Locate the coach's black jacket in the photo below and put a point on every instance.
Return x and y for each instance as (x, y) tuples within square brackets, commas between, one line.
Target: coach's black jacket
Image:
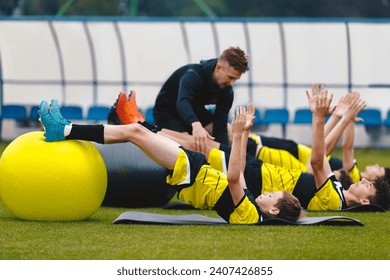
[(187, 91)]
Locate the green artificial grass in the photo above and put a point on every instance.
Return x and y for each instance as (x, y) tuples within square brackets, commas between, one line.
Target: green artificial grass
[(98, 239)]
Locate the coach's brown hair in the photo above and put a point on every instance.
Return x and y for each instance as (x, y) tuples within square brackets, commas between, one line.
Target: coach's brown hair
[(236, 59)]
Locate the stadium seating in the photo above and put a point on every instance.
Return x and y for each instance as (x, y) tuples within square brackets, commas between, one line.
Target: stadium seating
[(34, 114), (59, 48), (15, 112), (372, 122), (302, 116), (257, 120), (372, 117), (149, 115), (98, 113), (386, 122), (276, 116), (72, 112)]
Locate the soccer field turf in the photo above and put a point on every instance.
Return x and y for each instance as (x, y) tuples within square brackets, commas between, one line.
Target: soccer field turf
[(97, 238)]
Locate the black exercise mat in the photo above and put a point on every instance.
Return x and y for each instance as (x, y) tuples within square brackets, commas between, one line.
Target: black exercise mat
[(357, 208), (132, 217), (365, 208)]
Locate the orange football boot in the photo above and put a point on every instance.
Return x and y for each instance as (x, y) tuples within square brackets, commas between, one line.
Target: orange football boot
[(127, 110)]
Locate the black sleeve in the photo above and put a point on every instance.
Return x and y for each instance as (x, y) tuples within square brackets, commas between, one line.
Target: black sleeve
[(190, 84), (221, 118)]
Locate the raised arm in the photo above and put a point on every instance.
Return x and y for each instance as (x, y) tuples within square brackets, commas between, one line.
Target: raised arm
[(250, 116), (234, 169), (333, 128), (319, 103), (332, 136), (335, 116), (349, 135)]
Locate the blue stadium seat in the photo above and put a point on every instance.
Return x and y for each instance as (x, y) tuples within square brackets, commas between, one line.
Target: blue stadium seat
[(98, 113), (372, 117), (257, 120), (34, 114), (302, 116), (276, 116), (15, 112), (72, 112), (149, 115), (386, 122)]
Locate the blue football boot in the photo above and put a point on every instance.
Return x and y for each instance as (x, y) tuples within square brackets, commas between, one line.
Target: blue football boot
[(55, 111), (54, 130)]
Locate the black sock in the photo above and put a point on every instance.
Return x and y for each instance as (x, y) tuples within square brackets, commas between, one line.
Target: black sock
[(152, 127), (93, 133)]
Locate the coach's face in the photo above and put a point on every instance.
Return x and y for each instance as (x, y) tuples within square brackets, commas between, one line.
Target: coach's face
[(225, 75)]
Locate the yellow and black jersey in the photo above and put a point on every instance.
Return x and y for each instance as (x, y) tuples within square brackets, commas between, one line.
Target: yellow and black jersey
[(355, 173), (305, 189), (277, 143), (217, 159), (205, 187), (277, 178), (280, 158), (286, 153), (261, 177), (329, 196), (245, 212), (281, 152)]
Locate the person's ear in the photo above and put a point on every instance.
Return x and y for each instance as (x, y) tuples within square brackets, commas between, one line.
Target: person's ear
[(364, 201), (274, 211)]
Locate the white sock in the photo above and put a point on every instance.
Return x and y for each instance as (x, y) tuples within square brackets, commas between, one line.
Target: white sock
[(259, 145), (67, 130), (260, 142)]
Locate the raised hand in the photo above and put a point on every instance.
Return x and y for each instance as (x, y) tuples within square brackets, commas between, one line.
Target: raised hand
[(319, 101), (345, 102), (250, 116), (312, 98), (239, 120), (355, 107), (360, 106), (342, 105)]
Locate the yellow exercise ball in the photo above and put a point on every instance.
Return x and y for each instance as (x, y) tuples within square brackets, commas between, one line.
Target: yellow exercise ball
[(52, 181)]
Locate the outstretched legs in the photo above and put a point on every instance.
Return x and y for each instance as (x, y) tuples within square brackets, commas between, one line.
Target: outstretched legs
[(162, 150)]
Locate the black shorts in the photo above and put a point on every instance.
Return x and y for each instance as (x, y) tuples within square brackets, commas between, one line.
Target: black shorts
[(196, 160)]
